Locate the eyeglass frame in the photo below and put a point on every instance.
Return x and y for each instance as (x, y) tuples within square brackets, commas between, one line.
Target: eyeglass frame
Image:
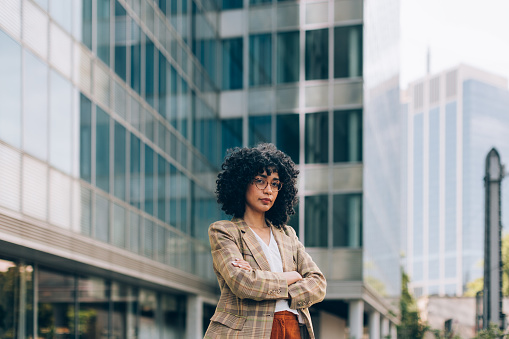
[(279, 186)]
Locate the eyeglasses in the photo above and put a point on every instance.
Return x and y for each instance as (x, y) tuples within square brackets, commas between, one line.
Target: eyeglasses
[(263, 183)]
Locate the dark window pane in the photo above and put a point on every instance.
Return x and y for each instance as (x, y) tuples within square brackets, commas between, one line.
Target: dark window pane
[(85, 138), (288, 135), (317, 54), (348, 51), (162, 87), (174, 96), (232, 64), (348, 136), (102, 218), (347, 220), (87, 23), (288, 57), (232, 4), (135, 57), (149, 180), (258, 2), (231, 134), (149, 71), (93, 299), (260, 59), (161, 188), (119, 158), (317, 138), (120, 41), (103, 30), (134, 166), (10, 90), (259, 129), (316, 221), (102, 150)]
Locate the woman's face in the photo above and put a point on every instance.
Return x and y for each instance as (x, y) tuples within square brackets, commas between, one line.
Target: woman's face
[(262, 192)]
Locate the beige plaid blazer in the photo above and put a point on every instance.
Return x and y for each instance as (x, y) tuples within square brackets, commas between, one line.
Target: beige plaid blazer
[(248, 298)]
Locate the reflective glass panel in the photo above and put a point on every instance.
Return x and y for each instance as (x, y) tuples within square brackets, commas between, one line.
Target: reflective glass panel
[(348, 51), (316, 221), (317, 138), (231, 134), (259, 129), (119, 161), (56, 303), (148, 238), (258, 2), (173, 310), (347, 220), (149, 180), (232, 4), (10, 90), (135, 56), (93, 299), (288, 135), (85, 138), (232, 64), (120, 310), (148, 314), (87, 23), (102, 218), (60, 142), (119, 226), (60, 11), (134, 232), (317, 54), (150, 55), (288, 57), (103, 30), (121, 43), (348, 136), (102, 150), (35, 120), (162, 86), (161, 188), (135, 171), (260, 59)]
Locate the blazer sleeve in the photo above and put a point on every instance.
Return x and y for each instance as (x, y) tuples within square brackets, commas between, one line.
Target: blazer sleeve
[(255, 284), (311, 289)]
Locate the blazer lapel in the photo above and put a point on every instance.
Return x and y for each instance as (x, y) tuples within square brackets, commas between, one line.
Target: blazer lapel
[(253, 245), (284, 243)]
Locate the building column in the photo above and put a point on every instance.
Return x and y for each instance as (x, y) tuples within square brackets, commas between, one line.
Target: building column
[(384, 330), (374, 325), (194, 317), (394, 331), (356, 318)]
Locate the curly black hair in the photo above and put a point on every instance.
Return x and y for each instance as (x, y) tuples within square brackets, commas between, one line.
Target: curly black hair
[(240, 167)]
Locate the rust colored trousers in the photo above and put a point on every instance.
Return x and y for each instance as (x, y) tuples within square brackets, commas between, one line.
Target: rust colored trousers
[(285, 326)]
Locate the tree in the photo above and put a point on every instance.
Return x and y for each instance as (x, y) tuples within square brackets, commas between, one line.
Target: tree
[(411, 325)]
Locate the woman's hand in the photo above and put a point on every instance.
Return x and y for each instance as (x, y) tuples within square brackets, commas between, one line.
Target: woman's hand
[(241, 264), (292, 277)]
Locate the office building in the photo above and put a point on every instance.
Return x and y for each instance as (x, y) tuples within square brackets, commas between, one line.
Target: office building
[(114, 118), (454, 118)]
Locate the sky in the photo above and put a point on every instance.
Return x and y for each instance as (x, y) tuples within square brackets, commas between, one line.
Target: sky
[(472, 32)]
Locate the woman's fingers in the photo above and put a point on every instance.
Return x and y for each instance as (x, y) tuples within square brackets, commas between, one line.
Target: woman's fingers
[(241, 264)]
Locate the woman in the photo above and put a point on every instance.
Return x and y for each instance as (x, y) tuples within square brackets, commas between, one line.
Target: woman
[(267, 279)]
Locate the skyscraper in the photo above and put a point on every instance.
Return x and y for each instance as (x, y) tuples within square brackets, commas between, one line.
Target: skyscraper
[(114, 118), (454, 118)]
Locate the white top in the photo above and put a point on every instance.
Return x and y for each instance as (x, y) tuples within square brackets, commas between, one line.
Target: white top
[(276, 265)]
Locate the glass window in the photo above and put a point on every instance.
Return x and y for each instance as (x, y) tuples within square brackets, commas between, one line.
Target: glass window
[(119, 226), (150, 55), (174, 96), (56, 303), (149, 180), (134, 232), (161, 188), (162, 87), (85, 138), (232, 4), (183, 110), (316, 221), (348, 51), (103, 30), (259, 129), (121, 43), (60, 11), (185, 183), (173, 201), (135, 57), (148, 314), (317, 138), (102, 218), (43, 4), (87, 23), (60, 142), (288, 135), (317, 54), (120, 300), (135, 172), (93, 299), (288, 57), (348, 136), (232, 64), (173, 310), (102, 150), (231, 134), (258, 2), (347, 220), (119, 161), (10, 90), (148, 238), (260, 59), (35, 120), (86, 211)]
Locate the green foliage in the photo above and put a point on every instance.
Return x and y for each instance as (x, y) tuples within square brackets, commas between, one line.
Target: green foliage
[(493, 332), (437, 334), (411, 325)]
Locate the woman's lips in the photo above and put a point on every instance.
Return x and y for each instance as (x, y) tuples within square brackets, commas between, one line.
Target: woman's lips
[(267, 201)]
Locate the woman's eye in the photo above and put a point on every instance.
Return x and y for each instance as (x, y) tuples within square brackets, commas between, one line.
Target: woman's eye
[(259, 181), (275, 184)]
